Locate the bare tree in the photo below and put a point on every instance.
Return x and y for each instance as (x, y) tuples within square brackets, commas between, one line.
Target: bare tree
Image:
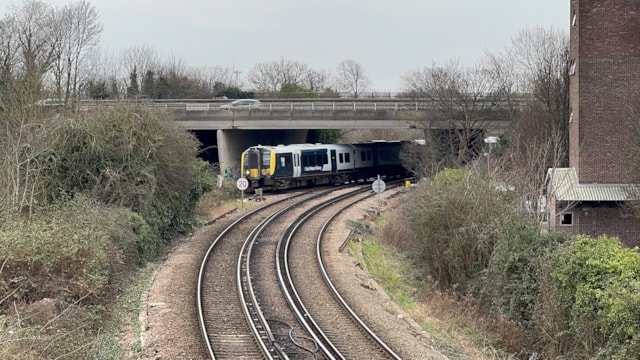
[(270, 76), (524, 165), (8, 44), (103, 67), (141, 60), (264, 77), (175, 65), (466, 101), (8, 56), (213, 79), (542, 57), (37, 41), (536, 65), (317, 80), (351, 78), (80, 31), (76, 25)]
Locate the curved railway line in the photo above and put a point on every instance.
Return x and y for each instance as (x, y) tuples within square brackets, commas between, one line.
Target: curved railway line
[(227, 333), (329, 319), (264, 262)]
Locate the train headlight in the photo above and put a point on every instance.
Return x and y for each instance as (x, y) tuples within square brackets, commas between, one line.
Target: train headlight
[(247, 172)]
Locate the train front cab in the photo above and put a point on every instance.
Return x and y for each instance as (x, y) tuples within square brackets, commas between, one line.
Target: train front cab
[(255, 165)]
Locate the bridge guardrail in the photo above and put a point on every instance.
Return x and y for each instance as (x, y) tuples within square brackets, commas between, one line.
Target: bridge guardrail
[(283, 105)]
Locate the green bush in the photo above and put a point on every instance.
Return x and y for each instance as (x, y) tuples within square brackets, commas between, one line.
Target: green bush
[(60, 270), (457, 218), (598, 282), (71, 251), (510, 282), (127, 157), (148, 244)]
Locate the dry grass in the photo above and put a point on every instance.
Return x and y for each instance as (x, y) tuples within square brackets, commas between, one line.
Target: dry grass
[(459, 325), (212, 205), (463, 323)]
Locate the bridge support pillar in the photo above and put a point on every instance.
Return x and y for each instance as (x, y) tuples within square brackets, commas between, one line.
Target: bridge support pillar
[(231, 144)]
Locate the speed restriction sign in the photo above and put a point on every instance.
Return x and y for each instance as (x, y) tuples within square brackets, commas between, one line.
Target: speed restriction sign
[(378, 185), (242, 184)]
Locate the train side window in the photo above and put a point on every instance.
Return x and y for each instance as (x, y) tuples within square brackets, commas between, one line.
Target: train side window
[(347, 157), (341, 158), (325, 158)]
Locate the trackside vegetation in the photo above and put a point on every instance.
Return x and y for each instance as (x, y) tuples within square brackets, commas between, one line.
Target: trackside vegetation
[(569, 297), (86, 200)]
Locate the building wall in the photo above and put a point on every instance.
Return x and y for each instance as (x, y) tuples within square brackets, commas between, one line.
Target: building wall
[(605, 45), (604, 219)]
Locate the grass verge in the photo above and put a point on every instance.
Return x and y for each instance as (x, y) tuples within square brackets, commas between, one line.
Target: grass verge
[(121, 337), (459, 332)]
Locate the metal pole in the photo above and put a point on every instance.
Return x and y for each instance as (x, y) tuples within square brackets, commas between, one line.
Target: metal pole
[(378, 192)]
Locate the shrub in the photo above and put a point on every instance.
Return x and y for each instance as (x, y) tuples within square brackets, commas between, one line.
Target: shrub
[(148, 244), (457, 219), (598, 285), (510, 282), (70, 251), (397, 234), (127, 157)]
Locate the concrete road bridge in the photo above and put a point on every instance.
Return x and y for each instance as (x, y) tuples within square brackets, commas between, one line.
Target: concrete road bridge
[(288, 121)]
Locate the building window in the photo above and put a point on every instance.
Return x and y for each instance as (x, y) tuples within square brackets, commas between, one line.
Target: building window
[(566, 219), (570, 116), (572, 67), (573, 18)]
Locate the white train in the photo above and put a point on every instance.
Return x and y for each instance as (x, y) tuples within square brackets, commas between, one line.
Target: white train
[(290, 166)]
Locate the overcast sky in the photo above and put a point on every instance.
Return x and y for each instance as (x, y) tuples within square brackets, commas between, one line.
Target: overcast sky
[(388, 38)]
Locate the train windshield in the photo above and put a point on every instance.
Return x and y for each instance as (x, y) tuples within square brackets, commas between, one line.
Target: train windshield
[(266, 155), (250, 160)]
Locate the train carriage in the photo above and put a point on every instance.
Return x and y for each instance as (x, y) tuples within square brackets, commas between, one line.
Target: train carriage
[(289, 166), (387, 157)]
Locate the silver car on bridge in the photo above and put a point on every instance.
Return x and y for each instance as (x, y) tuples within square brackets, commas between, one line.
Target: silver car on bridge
[(248, 104)]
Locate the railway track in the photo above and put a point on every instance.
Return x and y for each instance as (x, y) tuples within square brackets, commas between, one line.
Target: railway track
[(327, 316), (264, 294), (228, 316), (226, 331)]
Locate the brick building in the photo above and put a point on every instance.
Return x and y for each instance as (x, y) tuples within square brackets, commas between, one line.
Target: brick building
[(592, 195)]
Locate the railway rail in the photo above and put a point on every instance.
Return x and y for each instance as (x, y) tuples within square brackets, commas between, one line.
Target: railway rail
[(327, 316), (226, 332), (279, 303)]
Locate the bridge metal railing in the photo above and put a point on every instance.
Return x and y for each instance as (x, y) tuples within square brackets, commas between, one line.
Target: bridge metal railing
[(290, 104)]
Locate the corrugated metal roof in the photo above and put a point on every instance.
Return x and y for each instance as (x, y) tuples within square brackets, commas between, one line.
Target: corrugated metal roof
[(565, 186)]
